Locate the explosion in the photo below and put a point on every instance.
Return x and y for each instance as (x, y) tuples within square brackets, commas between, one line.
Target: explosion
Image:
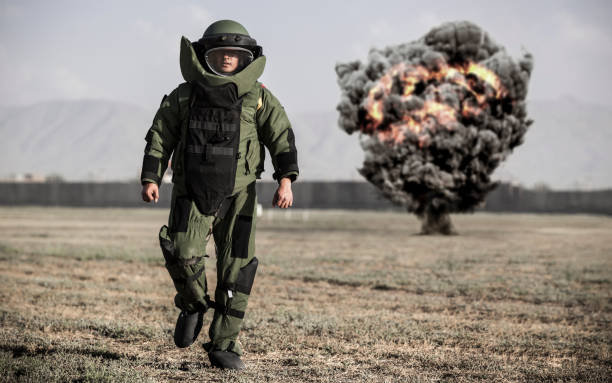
[(436, 117)]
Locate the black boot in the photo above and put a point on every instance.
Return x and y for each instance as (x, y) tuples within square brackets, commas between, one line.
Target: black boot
[(188, 326), (226, 359)]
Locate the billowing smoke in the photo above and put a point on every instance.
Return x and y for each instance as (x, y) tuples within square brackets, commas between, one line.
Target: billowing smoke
[(436, 116)]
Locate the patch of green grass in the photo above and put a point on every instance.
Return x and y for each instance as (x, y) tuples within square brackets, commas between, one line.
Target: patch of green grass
[(7, 252), (62, 366), (113, 330)]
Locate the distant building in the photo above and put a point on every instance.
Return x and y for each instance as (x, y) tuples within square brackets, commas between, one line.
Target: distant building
[(33, 178), (27, 177)]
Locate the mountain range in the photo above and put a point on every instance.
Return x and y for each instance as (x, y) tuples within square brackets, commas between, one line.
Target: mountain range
[(567, 147)]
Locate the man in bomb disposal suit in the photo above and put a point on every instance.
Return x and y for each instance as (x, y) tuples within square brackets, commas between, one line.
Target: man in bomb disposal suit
[(215, 126)]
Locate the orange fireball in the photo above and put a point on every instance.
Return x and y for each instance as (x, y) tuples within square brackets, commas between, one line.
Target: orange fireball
[(476, 80)]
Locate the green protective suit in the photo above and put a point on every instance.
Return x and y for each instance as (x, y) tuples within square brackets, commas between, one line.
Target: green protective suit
[(215, 128)]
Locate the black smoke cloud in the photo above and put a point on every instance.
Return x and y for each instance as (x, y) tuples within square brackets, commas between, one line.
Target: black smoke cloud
[(451, 172)]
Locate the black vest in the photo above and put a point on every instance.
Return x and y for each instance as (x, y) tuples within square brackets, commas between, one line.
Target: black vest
[(211, 145)]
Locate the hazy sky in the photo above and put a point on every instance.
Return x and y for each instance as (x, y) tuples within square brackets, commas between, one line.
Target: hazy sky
[(128, 50)]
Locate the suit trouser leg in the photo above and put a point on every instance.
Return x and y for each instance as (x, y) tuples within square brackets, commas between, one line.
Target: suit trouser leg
[(236, 266), (187, 236)]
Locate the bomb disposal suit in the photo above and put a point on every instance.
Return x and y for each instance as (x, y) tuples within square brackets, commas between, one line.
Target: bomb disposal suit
[(215, 125)]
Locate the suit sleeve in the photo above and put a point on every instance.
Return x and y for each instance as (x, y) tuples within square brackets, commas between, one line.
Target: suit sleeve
[(276, 134), (161, 139)]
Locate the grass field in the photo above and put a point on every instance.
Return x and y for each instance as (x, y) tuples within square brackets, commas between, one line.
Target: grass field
[(339, 297)]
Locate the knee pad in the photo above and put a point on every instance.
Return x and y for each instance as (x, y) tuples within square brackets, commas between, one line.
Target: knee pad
[(188, 275), (241, 236), (243, 284), (246, 277)]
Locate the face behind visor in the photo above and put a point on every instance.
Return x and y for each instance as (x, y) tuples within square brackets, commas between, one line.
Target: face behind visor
[(226, 48), (228, 60)]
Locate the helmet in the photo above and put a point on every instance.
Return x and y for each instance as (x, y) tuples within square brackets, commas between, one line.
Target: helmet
[(226, 48)]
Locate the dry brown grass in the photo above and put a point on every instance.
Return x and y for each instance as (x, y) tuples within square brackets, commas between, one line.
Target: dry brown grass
[(339, 297)]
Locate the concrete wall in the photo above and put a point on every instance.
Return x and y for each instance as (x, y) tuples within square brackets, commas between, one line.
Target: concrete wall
[(508, 198), (77, 194), (311, 195)]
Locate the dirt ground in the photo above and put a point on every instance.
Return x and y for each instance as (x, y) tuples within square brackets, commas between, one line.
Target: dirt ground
[(339, 297)]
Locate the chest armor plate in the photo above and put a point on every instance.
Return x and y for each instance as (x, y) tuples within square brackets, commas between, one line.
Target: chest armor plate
[(211, 145)]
